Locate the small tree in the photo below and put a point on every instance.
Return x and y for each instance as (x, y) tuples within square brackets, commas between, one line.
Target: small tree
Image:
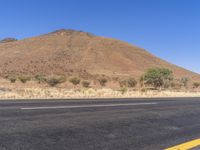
[(85, 83), (75, 80), (157, 77), (102, 81)]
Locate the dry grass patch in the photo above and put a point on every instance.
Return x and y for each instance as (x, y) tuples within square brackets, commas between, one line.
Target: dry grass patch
[(61, 93)]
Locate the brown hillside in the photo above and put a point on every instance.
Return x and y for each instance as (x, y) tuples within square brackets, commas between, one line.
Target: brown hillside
[(74, 52)]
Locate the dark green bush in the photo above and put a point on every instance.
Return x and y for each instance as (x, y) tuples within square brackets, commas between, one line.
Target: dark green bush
[(13, 79), (102, 81), (53, 81), (24, 79), (75, 80)]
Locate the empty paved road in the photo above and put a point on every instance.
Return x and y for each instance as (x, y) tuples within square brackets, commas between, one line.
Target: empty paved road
[(124, 124)]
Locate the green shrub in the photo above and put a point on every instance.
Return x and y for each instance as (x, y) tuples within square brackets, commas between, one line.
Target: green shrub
[(40, 78), (157, 77), (131, 82), (75, 80), (196, 84), (24, 79), (123, 90), (102, 81), (12, 79), (85, 83), (61, 79), (53, 81)]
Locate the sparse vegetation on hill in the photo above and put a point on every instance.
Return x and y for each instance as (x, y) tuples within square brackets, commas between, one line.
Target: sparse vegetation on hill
[(153, 79), (77, 53), (69, 58)]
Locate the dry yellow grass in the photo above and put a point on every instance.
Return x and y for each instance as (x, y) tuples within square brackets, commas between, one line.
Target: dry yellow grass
[(51, 93)]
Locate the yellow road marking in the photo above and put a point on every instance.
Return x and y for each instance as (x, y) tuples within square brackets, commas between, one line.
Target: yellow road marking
[(186, 146)]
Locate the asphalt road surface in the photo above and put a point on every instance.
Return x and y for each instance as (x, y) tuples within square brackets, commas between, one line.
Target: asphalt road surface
[(123, 124)]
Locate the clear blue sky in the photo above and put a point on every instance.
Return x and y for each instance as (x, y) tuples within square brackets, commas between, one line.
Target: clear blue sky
[(169, 29)]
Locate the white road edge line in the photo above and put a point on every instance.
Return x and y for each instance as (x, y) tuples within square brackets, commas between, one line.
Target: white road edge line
[(87, 106)]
